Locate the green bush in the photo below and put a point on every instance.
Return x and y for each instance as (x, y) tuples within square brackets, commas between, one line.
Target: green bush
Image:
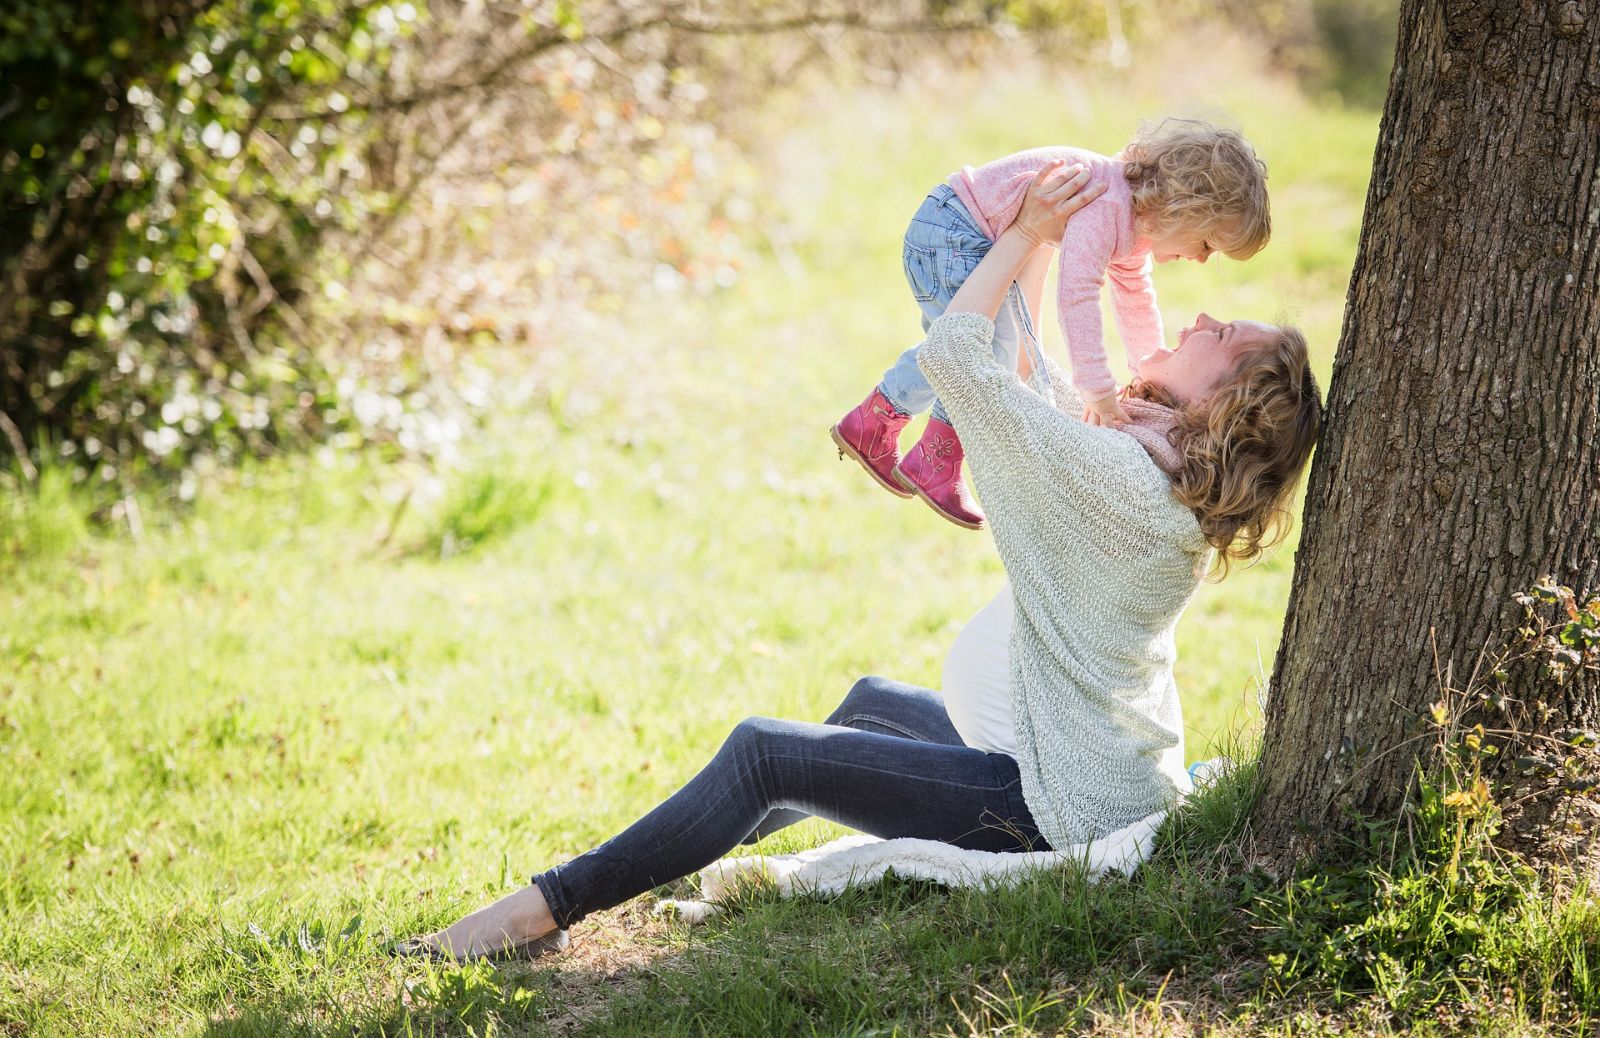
[(169, 171)]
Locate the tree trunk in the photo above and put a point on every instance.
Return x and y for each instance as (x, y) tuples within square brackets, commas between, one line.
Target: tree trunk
[(1461, 457)]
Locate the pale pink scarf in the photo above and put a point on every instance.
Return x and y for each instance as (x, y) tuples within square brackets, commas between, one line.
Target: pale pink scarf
[(1150, 426)]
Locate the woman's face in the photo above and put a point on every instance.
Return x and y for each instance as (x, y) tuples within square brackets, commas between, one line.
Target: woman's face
[(1206, 353)]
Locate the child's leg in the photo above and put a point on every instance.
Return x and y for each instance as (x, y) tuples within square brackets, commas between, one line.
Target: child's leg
[(942, 246), (932, 469), (903, 384)]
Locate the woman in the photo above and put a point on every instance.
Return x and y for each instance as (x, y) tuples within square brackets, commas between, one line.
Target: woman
[(1072, 732)]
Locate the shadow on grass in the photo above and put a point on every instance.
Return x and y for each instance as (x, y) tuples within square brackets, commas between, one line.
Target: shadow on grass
[(363, 997)]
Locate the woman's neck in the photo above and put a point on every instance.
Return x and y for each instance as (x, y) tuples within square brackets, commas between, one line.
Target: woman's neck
[(1139, 389)]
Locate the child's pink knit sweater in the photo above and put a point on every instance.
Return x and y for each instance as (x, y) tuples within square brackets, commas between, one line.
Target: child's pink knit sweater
[(1099, 242)]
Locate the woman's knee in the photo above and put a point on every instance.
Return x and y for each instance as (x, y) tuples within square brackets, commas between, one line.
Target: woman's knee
[(754, 749), (864, 696), (879, 699), (752, 736)]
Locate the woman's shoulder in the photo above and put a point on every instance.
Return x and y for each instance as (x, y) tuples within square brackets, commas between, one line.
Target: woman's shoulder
[(1133, 487)]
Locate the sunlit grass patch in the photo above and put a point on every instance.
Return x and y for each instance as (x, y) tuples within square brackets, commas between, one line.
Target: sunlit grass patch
[(485, 503), (43, 518)]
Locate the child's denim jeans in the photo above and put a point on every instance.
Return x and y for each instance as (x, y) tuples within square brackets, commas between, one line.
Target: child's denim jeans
[(943, 246)]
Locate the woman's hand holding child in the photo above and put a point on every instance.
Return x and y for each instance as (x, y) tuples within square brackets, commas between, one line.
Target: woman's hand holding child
[(1058, 190)]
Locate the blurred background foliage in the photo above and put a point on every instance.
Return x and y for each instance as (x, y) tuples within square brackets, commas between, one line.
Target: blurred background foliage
[(231, 227)]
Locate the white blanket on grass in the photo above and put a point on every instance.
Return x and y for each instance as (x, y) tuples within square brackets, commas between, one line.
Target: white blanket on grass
[(864, 860)]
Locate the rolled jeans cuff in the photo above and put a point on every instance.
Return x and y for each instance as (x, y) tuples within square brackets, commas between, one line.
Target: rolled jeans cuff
[(555, 897)]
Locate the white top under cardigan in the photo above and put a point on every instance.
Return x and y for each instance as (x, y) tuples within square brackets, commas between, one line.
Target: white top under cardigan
[(1102, 560), (977, 687)]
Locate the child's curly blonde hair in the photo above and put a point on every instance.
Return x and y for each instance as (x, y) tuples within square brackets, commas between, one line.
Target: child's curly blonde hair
[(1245, 445), (1188, 175)]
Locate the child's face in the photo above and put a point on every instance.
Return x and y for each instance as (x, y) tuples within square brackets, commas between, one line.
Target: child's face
[(1181, 245), (1206, 353)]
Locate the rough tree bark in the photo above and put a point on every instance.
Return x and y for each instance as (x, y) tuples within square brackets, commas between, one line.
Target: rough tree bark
[(1461, 457)]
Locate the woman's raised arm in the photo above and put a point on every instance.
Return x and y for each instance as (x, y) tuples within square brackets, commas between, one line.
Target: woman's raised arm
[(1056, 193)]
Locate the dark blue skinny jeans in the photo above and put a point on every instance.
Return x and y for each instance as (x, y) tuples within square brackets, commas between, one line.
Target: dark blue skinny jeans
[(887, 762)]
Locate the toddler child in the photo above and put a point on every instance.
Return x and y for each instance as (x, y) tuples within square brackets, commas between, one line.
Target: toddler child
[(1182, 189)]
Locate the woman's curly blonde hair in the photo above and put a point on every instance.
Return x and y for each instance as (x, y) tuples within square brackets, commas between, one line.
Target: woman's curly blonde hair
[(1245, 445), (1188, 175)]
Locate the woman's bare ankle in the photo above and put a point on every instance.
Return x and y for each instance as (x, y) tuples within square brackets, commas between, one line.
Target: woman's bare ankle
[(512, 920), (533, 910)]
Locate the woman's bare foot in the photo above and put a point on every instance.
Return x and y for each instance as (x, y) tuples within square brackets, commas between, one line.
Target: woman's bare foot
[(510, 924)]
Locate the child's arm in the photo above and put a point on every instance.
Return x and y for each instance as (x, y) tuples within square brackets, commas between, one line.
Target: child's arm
[(1133, 301), (1085, 255)]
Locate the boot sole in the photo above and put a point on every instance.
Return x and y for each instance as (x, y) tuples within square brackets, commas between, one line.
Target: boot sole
[(920, 495), (848, 451)]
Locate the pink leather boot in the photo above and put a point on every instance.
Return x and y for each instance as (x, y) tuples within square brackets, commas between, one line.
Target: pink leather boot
[(871, 435), (933, 471)]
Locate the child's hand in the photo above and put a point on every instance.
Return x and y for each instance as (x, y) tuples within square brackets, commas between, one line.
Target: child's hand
[(1105, 412), (1058, 190)]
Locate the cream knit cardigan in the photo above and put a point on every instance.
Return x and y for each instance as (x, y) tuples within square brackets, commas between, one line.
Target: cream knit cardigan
[(1102, 560)]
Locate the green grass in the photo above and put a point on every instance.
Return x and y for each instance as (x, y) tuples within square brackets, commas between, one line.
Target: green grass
[(329, 704)]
